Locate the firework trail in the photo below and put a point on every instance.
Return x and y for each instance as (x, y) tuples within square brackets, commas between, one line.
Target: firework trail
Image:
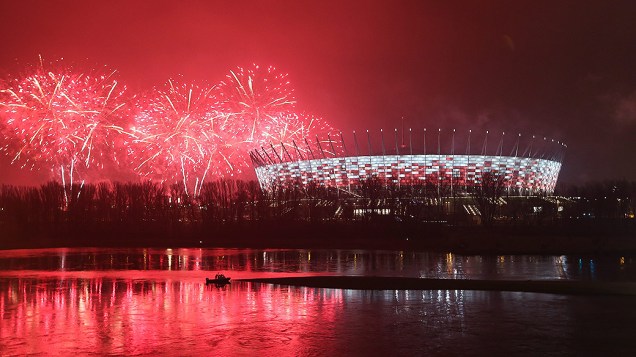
[(252, 101), (81, 125), (229, 157), (173, 135), (294, 135), (61, 120), (253, 98)]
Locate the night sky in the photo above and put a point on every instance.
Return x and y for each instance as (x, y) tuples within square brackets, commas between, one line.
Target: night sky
[(563, 69)]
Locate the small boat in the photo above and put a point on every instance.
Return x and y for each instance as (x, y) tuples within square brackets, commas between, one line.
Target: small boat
[(219, 279)]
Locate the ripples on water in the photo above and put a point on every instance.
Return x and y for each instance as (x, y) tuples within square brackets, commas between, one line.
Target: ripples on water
[(250, 263), (145, 301)]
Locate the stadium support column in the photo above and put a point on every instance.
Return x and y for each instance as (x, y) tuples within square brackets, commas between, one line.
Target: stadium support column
[(346, 155), (467, 162), (275, 152), (529, 189), (383, 157), (382, 142), (500, 159), (425, 167), (439, 167), (397, 149), (452, 163), (484, 151), (323, 157), (285, 152), (484, 148), (397, 155), (411, 160), (517, 164), (309, 148), (333, 151), (370, 154), (267, 156), (320, 147), (355, 141), (300, 155), (280, 160)]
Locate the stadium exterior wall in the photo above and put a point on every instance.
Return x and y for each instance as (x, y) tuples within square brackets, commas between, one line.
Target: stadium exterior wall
[(524, 175)]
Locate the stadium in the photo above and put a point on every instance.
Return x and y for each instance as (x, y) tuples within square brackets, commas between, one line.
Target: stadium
[(454, 164)]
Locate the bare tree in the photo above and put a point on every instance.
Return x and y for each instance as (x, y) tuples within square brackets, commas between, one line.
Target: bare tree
[(487, 194)]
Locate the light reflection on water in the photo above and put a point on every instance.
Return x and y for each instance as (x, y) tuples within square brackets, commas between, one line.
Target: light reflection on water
[(151, 301), (131, 317), (245, 263)]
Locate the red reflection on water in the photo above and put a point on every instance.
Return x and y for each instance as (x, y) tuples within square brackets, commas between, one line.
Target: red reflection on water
[(102, 315), (248, 263)]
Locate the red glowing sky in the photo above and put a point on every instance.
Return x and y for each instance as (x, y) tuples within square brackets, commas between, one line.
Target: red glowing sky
[(565, 70)]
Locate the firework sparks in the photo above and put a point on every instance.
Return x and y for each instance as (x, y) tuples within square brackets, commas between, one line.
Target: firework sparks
[(61, 120), (79, 126), (289, 133), (254, 98), (173, 135)]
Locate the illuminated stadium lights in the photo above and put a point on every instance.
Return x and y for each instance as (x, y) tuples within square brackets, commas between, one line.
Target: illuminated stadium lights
[(532, 166)]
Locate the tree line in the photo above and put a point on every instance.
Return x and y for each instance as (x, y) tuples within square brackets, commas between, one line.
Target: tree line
[(227, 201), (239, 213)]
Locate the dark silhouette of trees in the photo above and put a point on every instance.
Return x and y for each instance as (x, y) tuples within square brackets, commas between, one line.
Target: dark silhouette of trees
[(610, 199), (487, 194), (120, 210)]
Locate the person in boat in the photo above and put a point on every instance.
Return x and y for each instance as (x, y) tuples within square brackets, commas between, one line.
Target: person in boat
[(218, 279)]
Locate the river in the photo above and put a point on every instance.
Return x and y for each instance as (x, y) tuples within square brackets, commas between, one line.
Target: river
[(155, 301)]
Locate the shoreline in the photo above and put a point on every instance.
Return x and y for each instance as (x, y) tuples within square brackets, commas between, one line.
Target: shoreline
[(580, 246), (556, 247), (462, 240), (561, 245), (562, 287)]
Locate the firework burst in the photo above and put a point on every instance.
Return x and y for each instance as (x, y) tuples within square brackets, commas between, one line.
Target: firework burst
[(173, 135), (61, 120), (229, 157), (293, 135), (253, 98), (80, 125)]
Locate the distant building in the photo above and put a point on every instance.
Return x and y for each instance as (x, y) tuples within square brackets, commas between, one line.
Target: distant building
[(524, 166)]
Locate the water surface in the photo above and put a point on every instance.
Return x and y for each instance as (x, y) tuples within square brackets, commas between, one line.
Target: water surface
[(148, 302)]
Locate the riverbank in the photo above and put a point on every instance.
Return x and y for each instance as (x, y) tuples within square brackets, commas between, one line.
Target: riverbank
[(581, 239), (562, 287)]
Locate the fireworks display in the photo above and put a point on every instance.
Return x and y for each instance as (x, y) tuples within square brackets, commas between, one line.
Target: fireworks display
[(255, 98), (83, 126), (295, 134), (61, 120), (173, 135)]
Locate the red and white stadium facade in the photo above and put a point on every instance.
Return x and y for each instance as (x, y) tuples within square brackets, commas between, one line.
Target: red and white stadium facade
[(532, 167)]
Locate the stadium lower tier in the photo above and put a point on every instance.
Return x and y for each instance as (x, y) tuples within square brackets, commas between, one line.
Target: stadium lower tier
[(524, 175)]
